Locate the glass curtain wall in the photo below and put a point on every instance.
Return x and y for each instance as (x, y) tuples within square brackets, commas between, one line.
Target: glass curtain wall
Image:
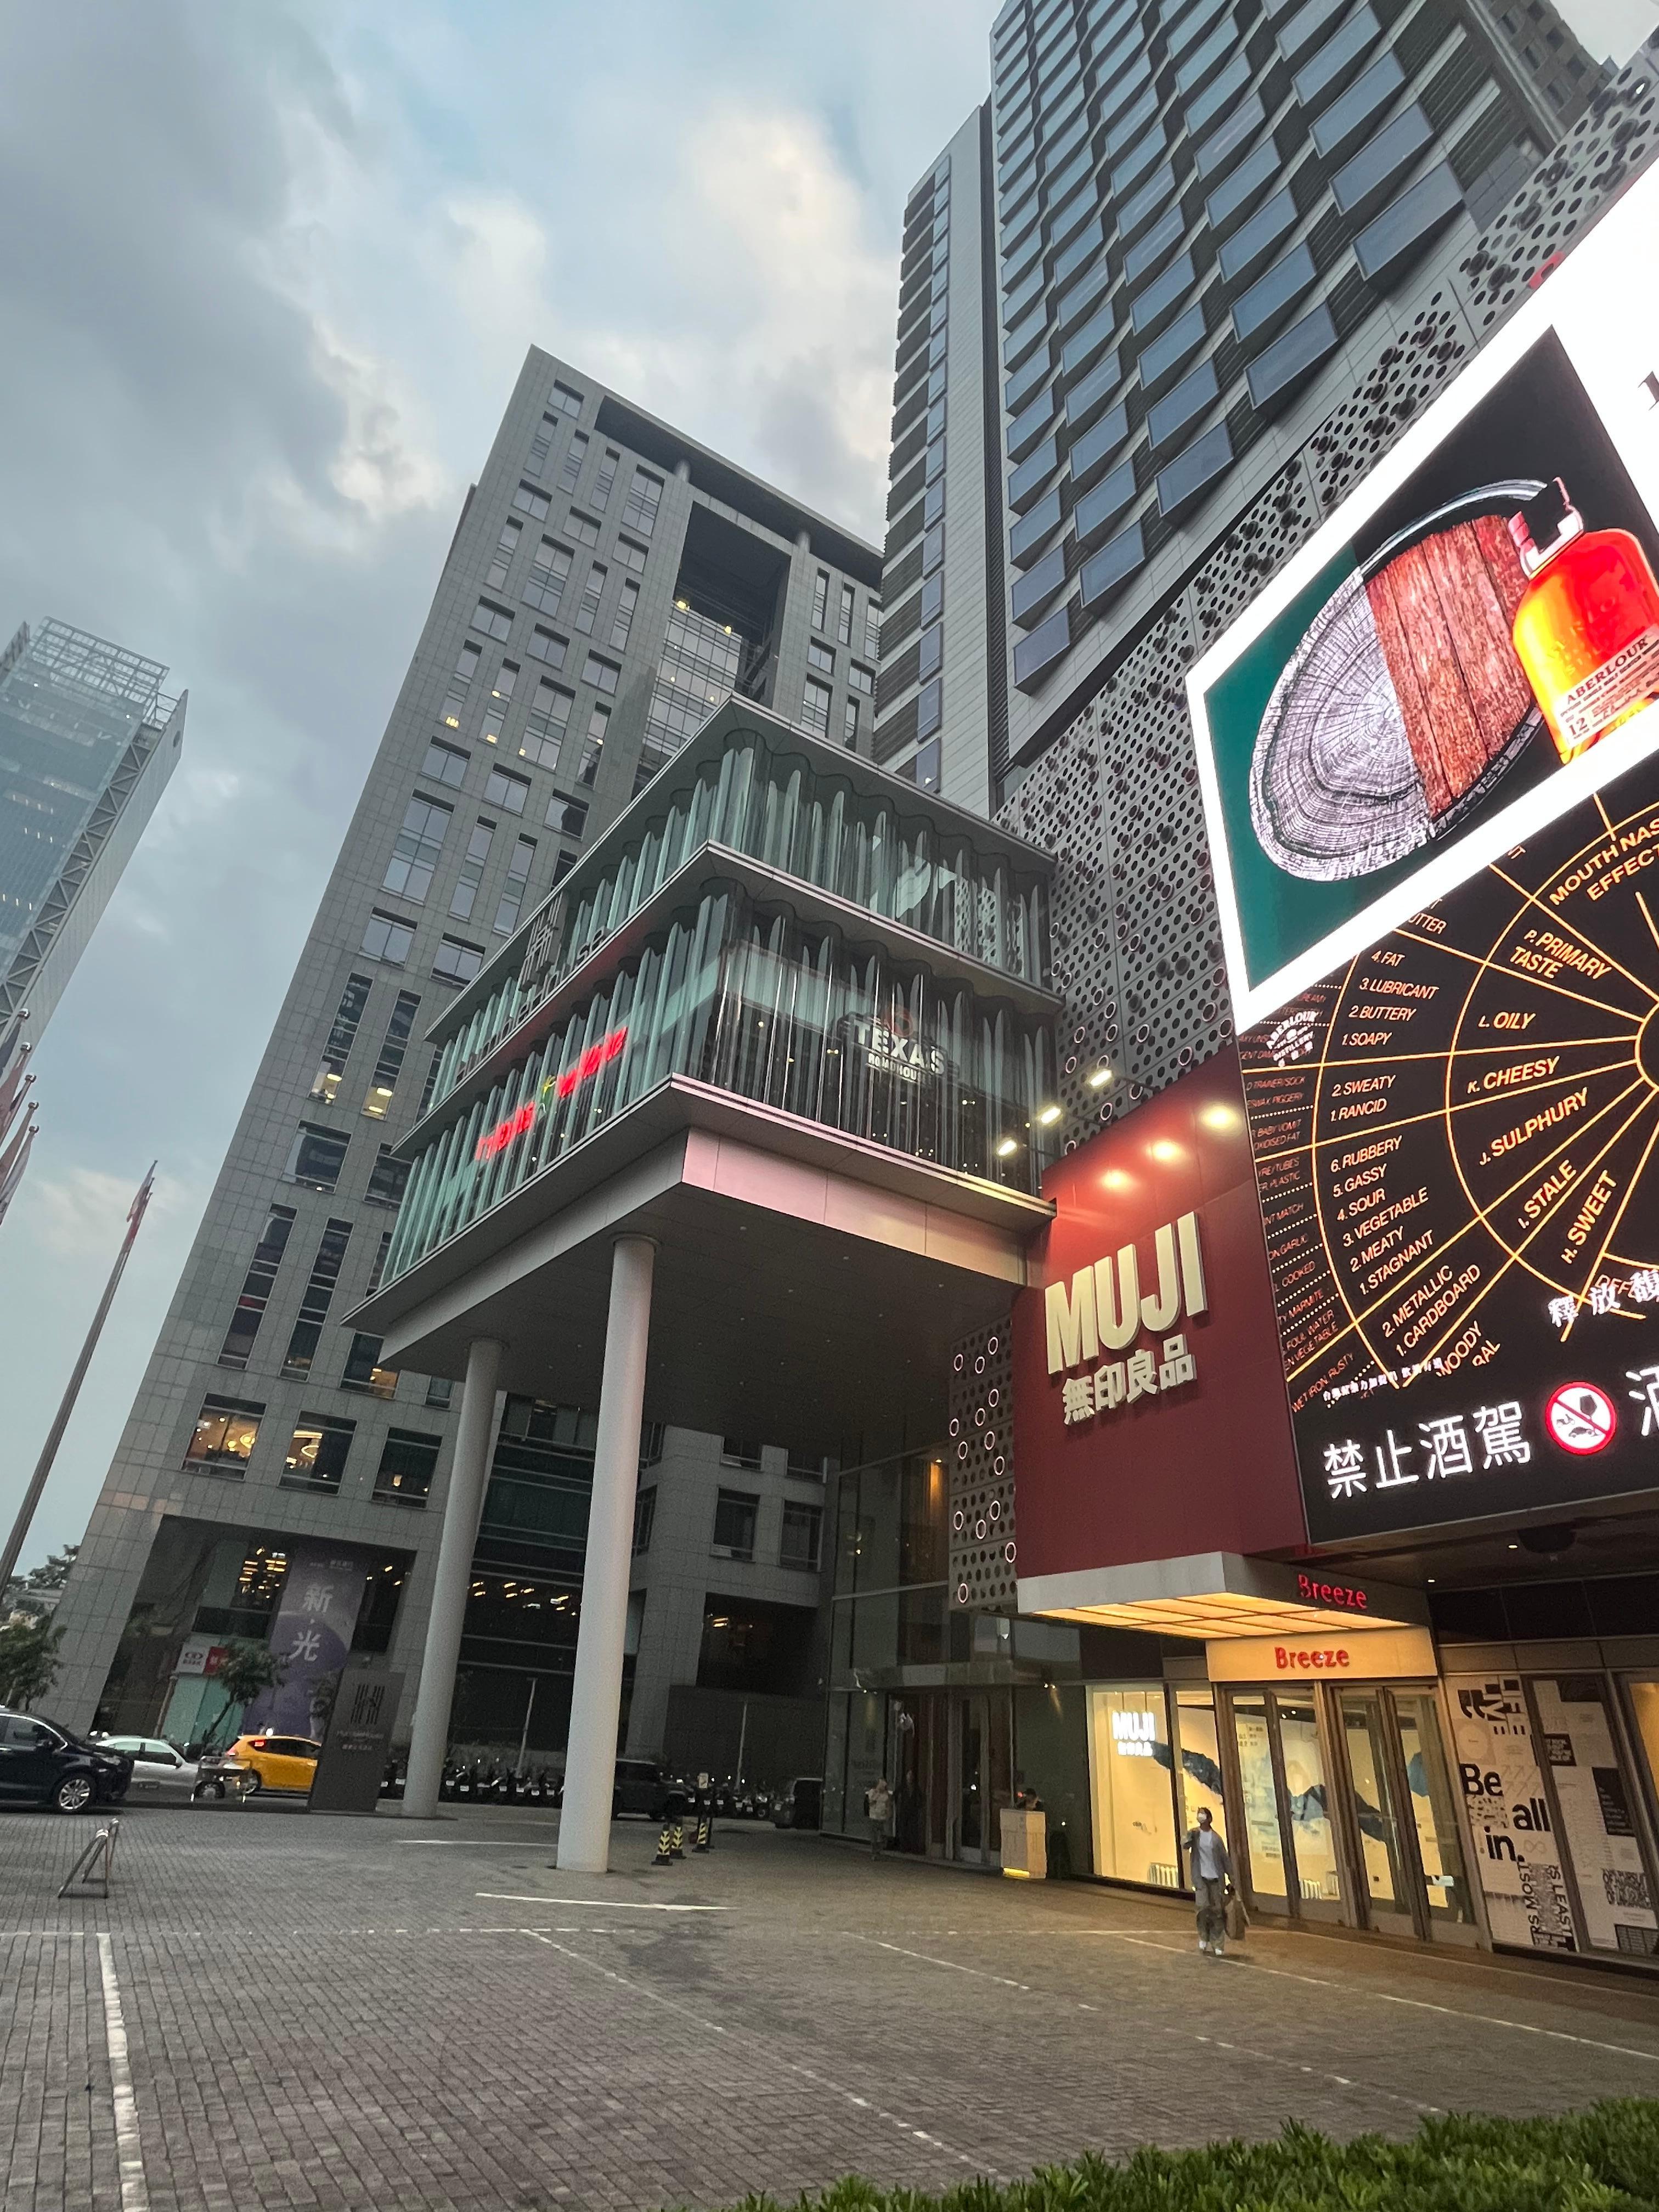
[(748, 998), (777, 808)]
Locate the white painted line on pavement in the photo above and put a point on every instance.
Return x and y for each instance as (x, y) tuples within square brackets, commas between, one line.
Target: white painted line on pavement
[(1349, 1990), (129, 2151), (589, 1904)]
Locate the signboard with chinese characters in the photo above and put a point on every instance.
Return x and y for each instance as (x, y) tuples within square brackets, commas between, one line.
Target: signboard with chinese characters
[(316, 1619), (1516, 1852), (1150, 1415), (1431, 759), (358, 1743)]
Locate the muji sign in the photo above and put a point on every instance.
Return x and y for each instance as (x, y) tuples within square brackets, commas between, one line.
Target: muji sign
[(1103, 1309)]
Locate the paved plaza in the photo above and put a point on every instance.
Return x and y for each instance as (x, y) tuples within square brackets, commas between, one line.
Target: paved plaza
[(274, 2009)]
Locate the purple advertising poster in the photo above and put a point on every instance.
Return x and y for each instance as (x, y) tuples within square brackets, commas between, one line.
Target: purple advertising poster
[(311, 1635)]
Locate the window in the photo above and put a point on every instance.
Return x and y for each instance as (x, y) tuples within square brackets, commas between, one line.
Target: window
[(389, 1066), (603, 675), (630, 555), (385, 1185), (930, 706), (388, 938), (544, 731), (926, 765), (363, 1370), (583, 528), (644, 495), (317, 1452), (224, 1434), (820, 599), (256, 1288), (319, 1294), (438, 1389), (548, 572), (591, 594), (871, 629), (494, 621), (546, 645), (623, 622), (501, 695), (606, 478), (416, 850), (542, 444), (561, 868), (645, 1513), (740, 1451), (815, 707), (844, 627), (849, 723), (574, 456), (315, 1157), (862, 679), (445, 763), (593, 747), (530, 501), (511, 903), (379, 1269), (568, 815), (408, 1462), (735, 1515), (930, 652), (506, 790), (820, 657), (802, 1530), (431, 1083), (338, 1049), (506, 546), (473, 868), (466, 667), (457, 962), (565, 400)]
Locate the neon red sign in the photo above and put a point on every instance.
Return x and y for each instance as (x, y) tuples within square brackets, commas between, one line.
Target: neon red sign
[(498, 1138), (596, 1057)]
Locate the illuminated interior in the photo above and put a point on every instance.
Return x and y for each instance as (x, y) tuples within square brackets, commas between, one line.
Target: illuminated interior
[(1224, 1613)]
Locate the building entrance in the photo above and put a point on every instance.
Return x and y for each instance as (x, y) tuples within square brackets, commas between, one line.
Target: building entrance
[(1346, 1810)]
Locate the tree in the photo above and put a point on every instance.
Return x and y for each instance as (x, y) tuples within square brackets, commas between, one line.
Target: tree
[(53, 1572), (28, 1660), (245, 1670)]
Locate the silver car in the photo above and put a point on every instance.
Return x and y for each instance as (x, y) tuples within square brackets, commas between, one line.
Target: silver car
[(161, 1775)]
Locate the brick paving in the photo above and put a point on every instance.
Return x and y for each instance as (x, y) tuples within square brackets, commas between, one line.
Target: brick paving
[(329, 2012)]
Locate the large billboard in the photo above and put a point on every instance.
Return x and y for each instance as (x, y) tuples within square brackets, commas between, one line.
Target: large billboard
[(1429, 762)]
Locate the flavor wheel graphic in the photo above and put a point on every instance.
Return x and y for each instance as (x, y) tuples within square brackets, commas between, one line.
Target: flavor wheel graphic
[(1458, 1137)]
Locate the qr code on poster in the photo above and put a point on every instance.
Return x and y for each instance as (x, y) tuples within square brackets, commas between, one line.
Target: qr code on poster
[(1622, 1889)]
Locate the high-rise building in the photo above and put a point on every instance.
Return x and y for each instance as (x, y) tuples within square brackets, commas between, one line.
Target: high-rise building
[(87, 742), (609, 582), (1134, 286)]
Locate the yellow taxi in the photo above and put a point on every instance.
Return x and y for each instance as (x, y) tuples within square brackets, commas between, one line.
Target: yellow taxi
[(274, 1762)]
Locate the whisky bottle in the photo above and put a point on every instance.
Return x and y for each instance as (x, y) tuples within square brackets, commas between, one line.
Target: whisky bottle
[(1587, 628)]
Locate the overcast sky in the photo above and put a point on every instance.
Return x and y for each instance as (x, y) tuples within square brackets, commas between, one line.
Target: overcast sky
[(266, 279)]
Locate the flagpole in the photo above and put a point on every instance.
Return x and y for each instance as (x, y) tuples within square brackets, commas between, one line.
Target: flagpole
[(55, 1435)]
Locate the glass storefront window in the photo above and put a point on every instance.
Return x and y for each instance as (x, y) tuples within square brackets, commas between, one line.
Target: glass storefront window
[(1201, 1759), (1261, 1796), (1433, 1811), (1307, 1793), (1373, 1800), (1134, 1785)]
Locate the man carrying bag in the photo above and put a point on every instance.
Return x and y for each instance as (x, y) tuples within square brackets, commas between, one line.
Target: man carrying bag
[(1213, 1890)]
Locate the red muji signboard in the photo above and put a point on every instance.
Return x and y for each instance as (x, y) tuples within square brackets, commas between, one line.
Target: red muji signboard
[(1150, 1419)]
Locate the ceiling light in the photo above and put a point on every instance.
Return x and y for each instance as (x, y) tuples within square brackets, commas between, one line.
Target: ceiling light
[(1049, 1116), (1100, 1078), (1163, 1150), (1007, 1147)]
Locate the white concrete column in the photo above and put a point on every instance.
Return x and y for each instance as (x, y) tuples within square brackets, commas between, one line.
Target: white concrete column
[(429, 1737), (590, 1767)]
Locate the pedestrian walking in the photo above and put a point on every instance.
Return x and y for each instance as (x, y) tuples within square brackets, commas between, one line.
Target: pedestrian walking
[(1212, 1874), (878, 1810)]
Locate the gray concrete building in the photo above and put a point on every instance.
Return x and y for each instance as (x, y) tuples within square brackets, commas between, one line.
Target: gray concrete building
[(1134, 286), (609, 581)]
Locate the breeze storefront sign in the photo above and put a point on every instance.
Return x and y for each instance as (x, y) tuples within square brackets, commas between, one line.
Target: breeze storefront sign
[(1368, 1654)]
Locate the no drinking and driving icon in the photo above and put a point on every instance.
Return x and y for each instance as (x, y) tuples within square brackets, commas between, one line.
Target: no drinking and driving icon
[(1581, 1418)]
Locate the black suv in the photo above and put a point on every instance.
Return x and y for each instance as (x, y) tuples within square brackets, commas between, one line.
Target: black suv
[(42, 1764)]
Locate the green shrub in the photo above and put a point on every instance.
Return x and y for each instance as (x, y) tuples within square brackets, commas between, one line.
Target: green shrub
[(1604, 2160)]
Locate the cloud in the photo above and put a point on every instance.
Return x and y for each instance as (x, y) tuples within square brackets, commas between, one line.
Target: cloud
[(83, 1215)]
